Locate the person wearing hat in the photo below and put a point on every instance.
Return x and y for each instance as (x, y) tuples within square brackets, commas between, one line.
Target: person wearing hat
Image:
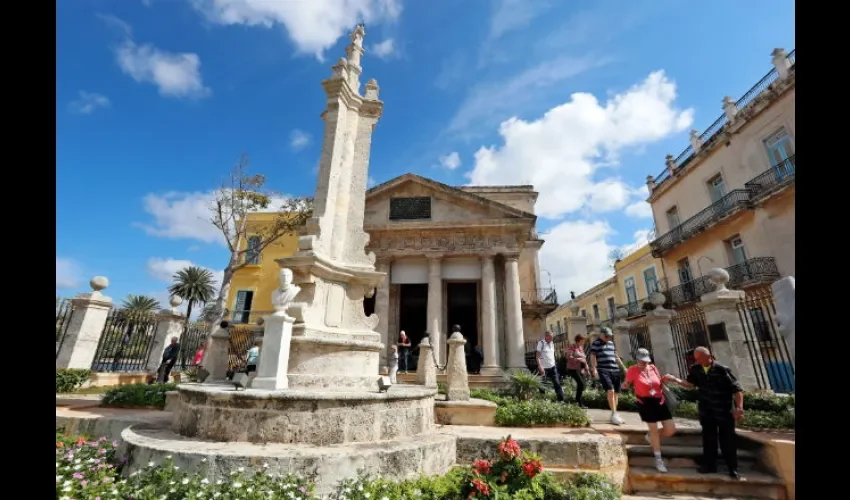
[(652, 408), (606, 366)]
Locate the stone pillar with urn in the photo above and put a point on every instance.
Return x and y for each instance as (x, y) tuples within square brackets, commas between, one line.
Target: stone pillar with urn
[(576, 325), (621, 334), (83, 333), (661, 335), (426, 370), (457, 386)]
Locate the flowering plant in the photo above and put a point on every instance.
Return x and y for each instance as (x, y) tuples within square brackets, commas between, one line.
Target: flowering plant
[(513, 472), (84, 468)]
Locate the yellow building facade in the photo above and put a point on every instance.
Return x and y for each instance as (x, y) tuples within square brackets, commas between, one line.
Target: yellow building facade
[(639, 274), (597, 305), (728, 200)]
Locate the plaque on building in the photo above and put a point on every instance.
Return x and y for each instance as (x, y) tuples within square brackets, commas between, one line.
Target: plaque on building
[(410, 208)]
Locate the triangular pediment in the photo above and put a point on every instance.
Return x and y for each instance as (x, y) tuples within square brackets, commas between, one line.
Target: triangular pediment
[(447, 203)]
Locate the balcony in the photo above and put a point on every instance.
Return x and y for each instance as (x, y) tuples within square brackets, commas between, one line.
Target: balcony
[(755, 190), (755, 271), (247, 317), (636, 308), (539, 301), (722, 208)]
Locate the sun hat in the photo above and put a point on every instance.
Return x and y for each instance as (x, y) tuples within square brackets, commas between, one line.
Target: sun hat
[(643, 355)]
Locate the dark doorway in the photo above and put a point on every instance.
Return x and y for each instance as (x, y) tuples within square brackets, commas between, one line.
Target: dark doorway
[(369, 303), (412, 318), (462, 305)]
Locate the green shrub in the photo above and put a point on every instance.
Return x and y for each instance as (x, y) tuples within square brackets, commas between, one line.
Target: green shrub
[(540, 412), (598, 399), (524, 385), (70, 379), (755, 400), (138, 395), (753, 419)]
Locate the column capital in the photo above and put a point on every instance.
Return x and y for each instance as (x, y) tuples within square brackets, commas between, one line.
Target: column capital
[(486, 255), (511, 256), (434, 256)]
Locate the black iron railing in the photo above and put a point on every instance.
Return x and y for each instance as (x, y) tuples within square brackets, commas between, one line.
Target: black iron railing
[(714, 129), (752, 271), (778, 175), (64, 312), (721, 208), (546, 296), (126, 342), (194, 334)]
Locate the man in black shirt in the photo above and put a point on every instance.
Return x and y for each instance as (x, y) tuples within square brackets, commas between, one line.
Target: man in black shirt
[(169, 359), (717, 387)]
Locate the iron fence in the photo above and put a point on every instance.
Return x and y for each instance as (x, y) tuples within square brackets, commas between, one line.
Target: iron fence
[(126, 342), (689, 332), (64, 312), (639, 339), (792, 57), (772, 363), (781, 174), (539, 296), (758, 270), (194, 334)]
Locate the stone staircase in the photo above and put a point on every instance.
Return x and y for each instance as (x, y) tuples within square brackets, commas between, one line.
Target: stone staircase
[(682, 453)]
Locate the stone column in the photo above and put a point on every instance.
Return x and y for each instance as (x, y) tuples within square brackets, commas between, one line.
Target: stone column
[(576, 325), (86, 326), (274, 357), (435, 307), (169, 323), (661, 337), (382, 310), (457, 387), (513, 307), (426, 371), (784, 296), (720, 306), (621, 335), (488, 317)]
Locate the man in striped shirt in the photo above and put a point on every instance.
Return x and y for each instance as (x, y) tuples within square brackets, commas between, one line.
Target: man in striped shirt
[(605, 365)]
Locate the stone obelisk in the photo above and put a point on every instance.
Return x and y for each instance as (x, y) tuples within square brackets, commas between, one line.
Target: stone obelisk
[(334, 345)]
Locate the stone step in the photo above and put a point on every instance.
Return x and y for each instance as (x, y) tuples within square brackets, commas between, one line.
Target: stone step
[(689, 463), (684, 437), (682, 480), (685, 457), (645, 450)]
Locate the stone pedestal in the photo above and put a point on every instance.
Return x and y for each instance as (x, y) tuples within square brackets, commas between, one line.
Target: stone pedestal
[(661, 337), (621, 340), (85, 328), (720, 307), (274, 357), (426, 372), (457, 388), (576, 325), (215, 355), (168, 324), (784, 297)]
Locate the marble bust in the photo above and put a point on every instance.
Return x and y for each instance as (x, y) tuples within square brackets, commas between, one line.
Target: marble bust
[(285, 294)]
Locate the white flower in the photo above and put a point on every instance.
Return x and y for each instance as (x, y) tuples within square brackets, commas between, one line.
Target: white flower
[(66, 488), (57, 465), (203, 460), (237, 484), (265, 466), (367, 495), (168, 457), (205, 481), (176, 467), (77, 467), (150, 464), (77, 461), (66, 483), (249, 490), (171, 483), (241, 469), (218, 482), (385, 498), (185, 481), (172, 490)]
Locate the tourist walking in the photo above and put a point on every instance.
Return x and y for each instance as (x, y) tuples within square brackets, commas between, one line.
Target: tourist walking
[(393, 363), (199, 354), (169, 359), (252, 358), (605, 365), (546, 364), (577, 365), (404, 346), (717, 387), (652, 407)]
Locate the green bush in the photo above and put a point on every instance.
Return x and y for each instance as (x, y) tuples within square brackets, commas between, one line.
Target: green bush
[(753, 419), (524, 385), (70, 379), (540, 412), (755, 400), (138, 395)]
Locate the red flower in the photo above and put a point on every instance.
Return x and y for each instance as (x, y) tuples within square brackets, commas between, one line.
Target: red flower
[(59, 444), (504, 477), (481, 466), (509, 449), (532, 467), (481, 487)]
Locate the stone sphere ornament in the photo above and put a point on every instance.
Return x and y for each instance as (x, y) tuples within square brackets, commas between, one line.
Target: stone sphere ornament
[(175, 301), (99, 283), (621, 313), (657, 299), (719, 277)]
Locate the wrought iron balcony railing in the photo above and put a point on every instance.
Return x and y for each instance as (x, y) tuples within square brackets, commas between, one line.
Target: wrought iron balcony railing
[(753, 271), (539, 296), (780, 174), (721, 208)]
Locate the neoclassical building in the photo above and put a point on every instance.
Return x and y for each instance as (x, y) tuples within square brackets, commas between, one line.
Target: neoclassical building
[(463, 256)]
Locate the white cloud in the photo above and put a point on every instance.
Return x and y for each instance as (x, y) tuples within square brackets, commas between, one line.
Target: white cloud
[(560, 152), (385, 49), (68, 273), (576, 254), (512, 15), (163, 269), (313, 26), (298, 139), (640, 209), (175, 74), (488, 103), (87, 102), (370, 182), (451, 161), (187, 215)]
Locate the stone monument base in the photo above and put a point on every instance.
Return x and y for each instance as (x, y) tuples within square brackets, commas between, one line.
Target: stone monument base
[(319, 418), (471, 412), (398, 458)]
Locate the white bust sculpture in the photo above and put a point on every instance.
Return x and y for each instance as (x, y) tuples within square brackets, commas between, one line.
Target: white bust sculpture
[(285, 293)]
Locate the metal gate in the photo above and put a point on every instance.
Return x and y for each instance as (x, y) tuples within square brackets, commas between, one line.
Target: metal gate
[(689, 332), (125, 343), (241, 337), (639, 339), (64, 312), (768, 352), (193, 335)]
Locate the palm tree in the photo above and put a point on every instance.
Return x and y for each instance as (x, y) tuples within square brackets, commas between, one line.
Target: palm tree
[(139, 304), (193, 284)]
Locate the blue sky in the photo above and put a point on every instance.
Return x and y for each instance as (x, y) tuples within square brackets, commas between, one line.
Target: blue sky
[(156, 99)]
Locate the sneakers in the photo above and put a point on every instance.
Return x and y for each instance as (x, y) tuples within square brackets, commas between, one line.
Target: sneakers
[(659, 465), (616, 420)]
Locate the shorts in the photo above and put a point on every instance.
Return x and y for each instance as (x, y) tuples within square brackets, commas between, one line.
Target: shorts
[(250, 368), (652, 410), (610, 381)]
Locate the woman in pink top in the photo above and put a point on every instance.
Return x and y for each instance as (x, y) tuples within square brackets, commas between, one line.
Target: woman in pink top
[(652, 408), (199, 354)]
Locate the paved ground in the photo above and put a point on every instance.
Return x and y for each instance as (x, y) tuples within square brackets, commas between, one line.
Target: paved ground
[(659, 496)]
